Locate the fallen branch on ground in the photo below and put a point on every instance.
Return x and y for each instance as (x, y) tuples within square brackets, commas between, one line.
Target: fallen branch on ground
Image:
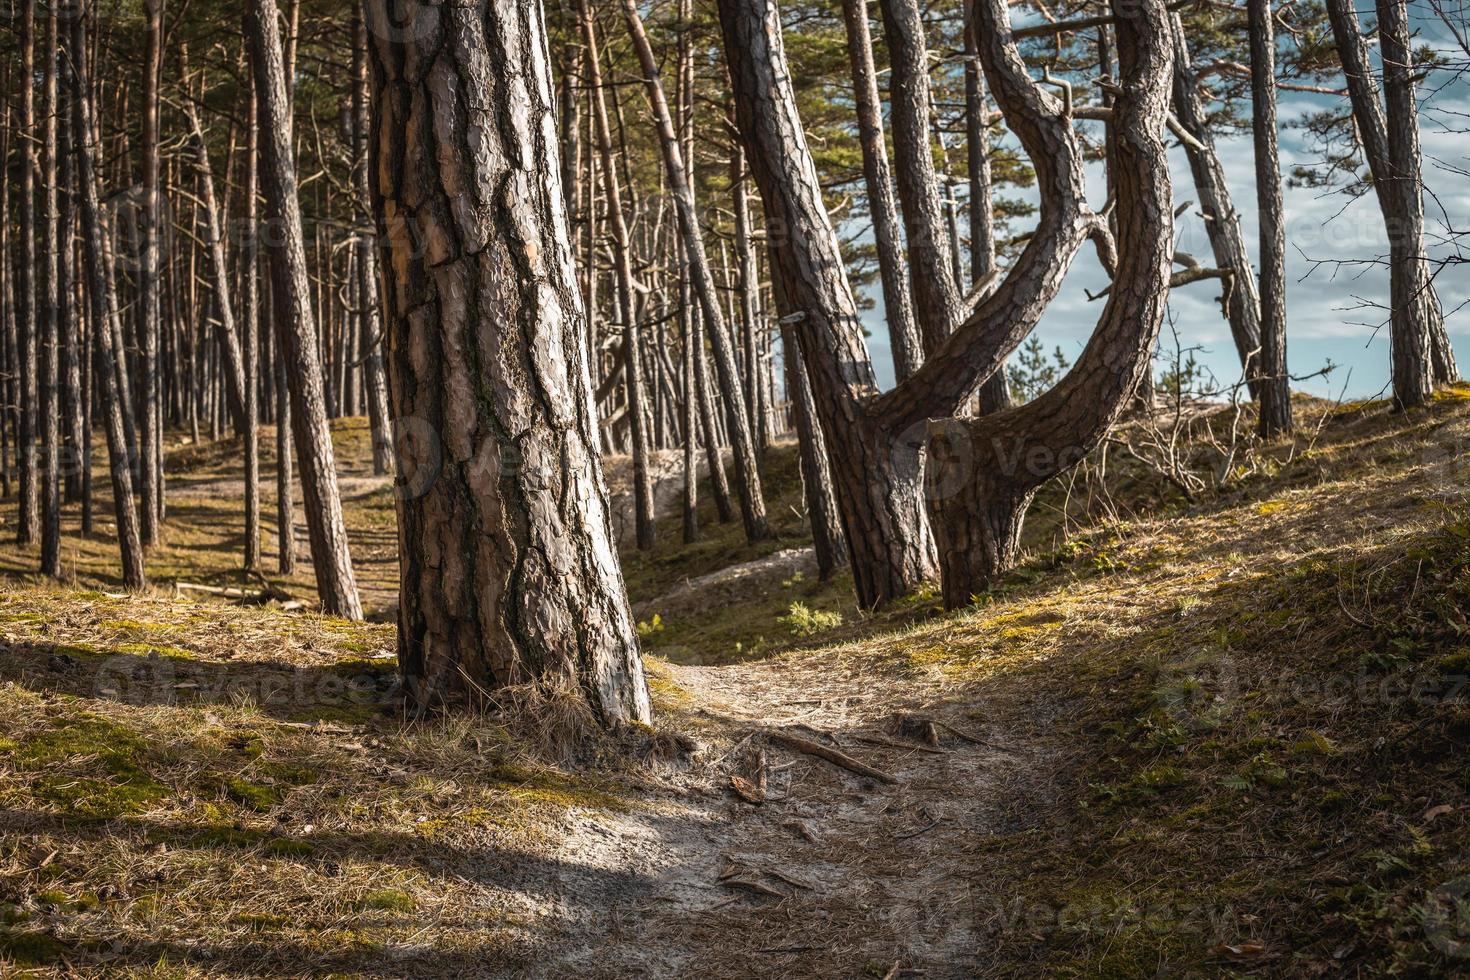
[(840, 759)]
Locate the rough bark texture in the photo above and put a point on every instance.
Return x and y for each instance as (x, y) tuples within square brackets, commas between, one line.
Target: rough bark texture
[(1222, 221), (977, 160), (291, 295), (742, 442), (509, 572), (878, 488), (1275, 383), (936, 294), (898, 309), (100, 292), (984, 472), (929, 224)]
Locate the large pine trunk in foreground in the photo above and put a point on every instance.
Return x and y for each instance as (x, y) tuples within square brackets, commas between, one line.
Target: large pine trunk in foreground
[(296, 328), (508, 568)]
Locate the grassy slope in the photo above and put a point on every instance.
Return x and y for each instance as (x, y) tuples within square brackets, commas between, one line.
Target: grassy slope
[(1257, 704)]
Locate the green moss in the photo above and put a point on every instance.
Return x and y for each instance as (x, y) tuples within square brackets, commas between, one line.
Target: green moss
[(31, 948), (386, 900), (259, 921), (252, 796), (155, 649), (90, 766), (287, 847)]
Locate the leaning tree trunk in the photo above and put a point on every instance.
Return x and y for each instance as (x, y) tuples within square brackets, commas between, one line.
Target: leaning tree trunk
[(291, 294), (816, 475), (100, 293), (932, 260), (903, 330), (1275, 383), (984, 472), (509, 570), (977, 160), (212, 228), (742, 443), (1222, 221)]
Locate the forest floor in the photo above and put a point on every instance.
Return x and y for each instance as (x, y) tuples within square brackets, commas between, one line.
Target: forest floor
[(1220, 736)]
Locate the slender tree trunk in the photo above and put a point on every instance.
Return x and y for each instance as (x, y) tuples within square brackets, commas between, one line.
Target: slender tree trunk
[(291, 294), (748, 287), (1241, 303), (73, 348), (149, 218), (898, 309), (49, 301), (370, 350), (691, 419), (250, 307), (99, 285), (211, 225), (509, 570), (1275, 386), (26, 293), (643, 502), (977, 159), (8, 341), (747, 470), (709, 425), (1421, 350), (816, 476), (285, 499), (932, 261)]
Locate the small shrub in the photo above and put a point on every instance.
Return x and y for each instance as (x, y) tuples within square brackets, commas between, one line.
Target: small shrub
[(802, 621)]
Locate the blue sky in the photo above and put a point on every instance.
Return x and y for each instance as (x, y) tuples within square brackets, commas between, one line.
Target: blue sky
[(1326, 317)]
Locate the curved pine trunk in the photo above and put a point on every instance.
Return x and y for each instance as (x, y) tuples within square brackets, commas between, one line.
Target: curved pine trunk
[(983, 473)]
